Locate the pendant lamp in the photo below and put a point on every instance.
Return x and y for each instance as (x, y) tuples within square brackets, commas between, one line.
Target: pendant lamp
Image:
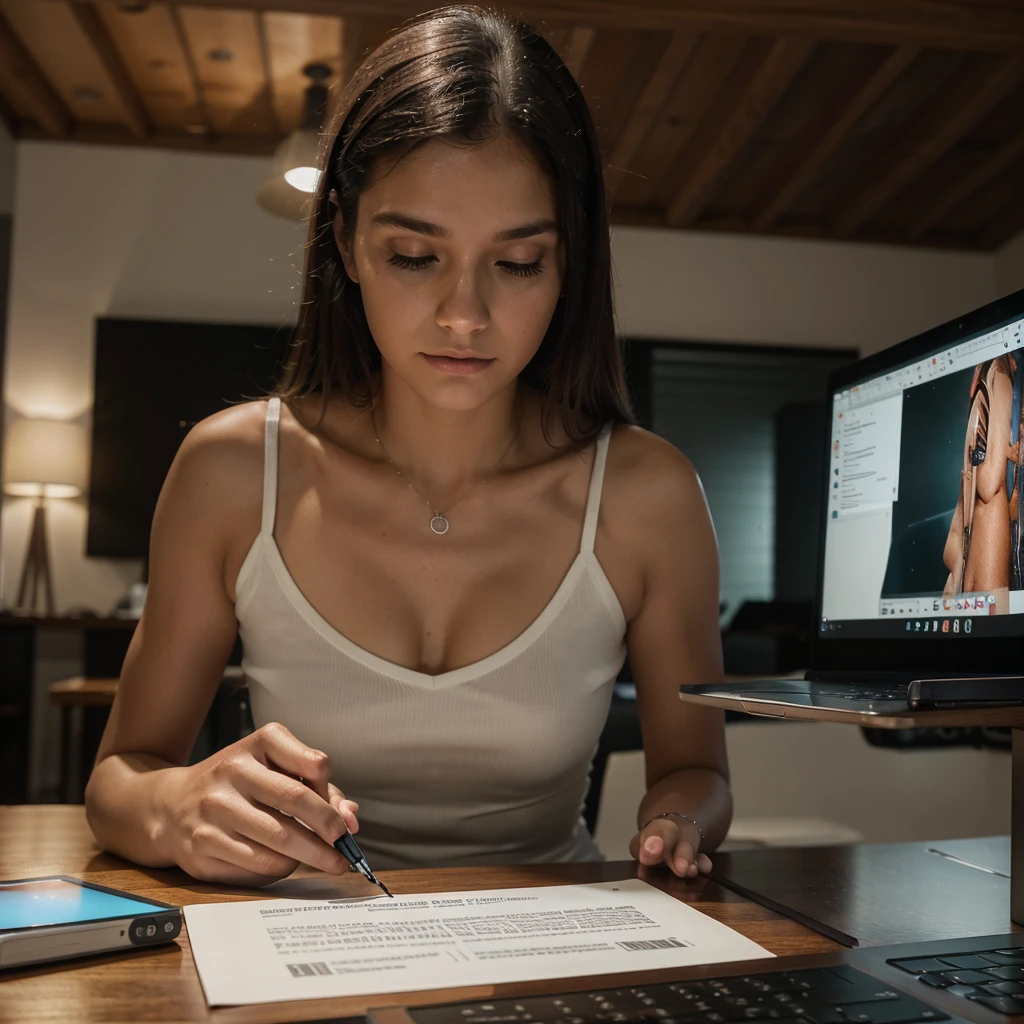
[(290, 187)]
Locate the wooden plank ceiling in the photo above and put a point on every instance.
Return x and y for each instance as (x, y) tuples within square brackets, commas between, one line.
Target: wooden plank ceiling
[(874, 120)]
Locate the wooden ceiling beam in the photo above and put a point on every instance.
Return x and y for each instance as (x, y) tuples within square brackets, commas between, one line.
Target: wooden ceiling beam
[(986, 170), (348, 42), (955, 113), (205, 121), (90, 21), (749, 94), (653, 99), (35, 92), (815, 148), (268, 75), (995, 26)]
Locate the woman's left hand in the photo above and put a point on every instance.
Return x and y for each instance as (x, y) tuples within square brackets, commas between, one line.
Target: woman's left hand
[(674, 842)]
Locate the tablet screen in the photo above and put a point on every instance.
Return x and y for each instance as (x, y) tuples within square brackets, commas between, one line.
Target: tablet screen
[(56, 901)]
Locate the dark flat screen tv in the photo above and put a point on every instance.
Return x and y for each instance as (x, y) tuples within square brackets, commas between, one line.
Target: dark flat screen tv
[(154, 380)]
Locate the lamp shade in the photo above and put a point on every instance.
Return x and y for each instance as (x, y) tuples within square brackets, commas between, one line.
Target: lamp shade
[(288, 192), (301, 159), (47, 458), (277, 195)]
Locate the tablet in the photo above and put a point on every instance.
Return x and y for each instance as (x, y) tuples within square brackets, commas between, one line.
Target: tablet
[(58, 917)]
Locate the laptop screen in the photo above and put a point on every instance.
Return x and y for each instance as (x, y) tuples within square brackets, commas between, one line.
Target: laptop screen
[(924, 502)]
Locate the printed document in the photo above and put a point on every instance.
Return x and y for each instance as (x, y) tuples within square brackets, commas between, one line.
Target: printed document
[(266, 950)]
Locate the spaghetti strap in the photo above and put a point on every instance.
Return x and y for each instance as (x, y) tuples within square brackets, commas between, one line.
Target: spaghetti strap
[(596, 483), (270, 464)]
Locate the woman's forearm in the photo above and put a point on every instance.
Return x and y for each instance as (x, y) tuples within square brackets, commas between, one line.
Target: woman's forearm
[(700, 793), (122, 806)]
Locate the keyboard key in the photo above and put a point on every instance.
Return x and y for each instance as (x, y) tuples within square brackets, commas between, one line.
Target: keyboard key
[(1007, 973), (935, 980), (1016, 952), (963, 990), (828, 1015), (1002, 1004), (924, 965), (1002, 959), (814, 979), (1004, 988), (900, 1011), (969, 961), (859, 993), (970, 977)]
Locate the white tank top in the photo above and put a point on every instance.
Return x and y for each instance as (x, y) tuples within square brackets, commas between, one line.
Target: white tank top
[(486, 764)]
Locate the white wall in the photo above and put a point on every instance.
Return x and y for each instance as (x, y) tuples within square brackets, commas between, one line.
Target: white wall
[(884, 795), (129, 232), (1010, 266), (139, 232), (718, 287)]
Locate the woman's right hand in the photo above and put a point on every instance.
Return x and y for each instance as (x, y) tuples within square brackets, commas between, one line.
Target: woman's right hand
[(241, 817)]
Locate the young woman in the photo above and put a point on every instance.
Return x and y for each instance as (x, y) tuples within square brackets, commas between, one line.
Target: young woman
[(441, 535)]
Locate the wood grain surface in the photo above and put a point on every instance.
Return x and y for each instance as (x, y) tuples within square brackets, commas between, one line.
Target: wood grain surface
[(877, 894), (161, 985)]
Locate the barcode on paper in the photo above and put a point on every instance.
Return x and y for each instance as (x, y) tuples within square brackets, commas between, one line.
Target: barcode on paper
[(308, 970), (652, 944)]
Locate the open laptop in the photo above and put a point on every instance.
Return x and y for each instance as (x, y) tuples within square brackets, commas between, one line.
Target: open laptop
[(921, 565)]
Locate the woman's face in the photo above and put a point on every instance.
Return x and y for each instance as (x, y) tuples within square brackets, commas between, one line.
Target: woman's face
[(460, 265)]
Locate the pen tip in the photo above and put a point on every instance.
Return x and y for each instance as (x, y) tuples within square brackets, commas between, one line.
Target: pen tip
[(386, 889)]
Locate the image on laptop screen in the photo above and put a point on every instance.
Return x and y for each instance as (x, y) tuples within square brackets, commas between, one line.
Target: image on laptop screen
[(924, 507)]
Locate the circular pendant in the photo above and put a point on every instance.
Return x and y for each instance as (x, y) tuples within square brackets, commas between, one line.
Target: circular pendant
[(439, 524)]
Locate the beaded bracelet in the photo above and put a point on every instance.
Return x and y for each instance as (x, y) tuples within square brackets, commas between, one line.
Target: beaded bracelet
[(676, 814)]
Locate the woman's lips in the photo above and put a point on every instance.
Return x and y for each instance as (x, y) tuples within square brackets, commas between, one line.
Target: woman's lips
[(451, 364)]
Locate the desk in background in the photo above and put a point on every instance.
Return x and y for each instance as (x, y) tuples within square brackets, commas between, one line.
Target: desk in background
[(85, 705), (100, 641), (91, 646)]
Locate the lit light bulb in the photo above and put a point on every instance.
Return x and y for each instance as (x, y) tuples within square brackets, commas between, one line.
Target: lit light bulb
[(305, 179)]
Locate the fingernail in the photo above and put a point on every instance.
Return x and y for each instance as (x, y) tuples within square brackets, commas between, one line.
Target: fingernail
[(652, 845)]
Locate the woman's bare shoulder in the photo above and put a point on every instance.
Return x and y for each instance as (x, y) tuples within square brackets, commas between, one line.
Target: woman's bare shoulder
[(647, 472), (652, 492), (220, 461)]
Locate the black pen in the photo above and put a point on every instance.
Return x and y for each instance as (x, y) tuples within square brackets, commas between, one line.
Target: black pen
[(346, 845), (349, 849)]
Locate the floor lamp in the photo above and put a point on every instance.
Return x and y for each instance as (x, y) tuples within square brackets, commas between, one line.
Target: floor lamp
[(42, 459)]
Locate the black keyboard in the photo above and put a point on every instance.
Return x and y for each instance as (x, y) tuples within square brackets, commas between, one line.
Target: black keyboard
[(993, 978), (823, 995)]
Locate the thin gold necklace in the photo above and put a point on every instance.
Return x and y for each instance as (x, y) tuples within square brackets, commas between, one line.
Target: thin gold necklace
[(439, 520)]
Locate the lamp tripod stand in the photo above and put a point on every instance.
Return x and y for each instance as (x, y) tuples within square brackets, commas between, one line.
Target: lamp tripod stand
[(36, 572)]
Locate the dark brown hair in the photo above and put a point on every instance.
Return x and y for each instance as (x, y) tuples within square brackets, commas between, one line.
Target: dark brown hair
[(466, 74)]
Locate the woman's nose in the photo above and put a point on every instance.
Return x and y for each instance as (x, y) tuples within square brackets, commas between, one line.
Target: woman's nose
[(463, 309)]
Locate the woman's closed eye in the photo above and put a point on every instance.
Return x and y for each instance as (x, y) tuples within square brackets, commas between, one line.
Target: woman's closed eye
[(422, 262)]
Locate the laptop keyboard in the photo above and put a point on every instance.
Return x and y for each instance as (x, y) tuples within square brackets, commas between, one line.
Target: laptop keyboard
[(993, 978), (824, 995)]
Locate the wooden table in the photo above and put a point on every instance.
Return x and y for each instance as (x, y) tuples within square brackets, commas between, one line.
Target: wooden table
[(161, 985)]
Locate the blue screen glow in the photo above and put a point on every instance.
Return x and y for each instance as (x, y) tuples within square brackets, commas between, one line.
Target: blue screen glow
[(55, 901)]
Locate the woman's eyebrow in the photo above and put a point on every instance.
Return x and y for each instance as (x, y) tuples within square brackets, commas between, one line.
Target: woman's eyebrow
[(424, 227)]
